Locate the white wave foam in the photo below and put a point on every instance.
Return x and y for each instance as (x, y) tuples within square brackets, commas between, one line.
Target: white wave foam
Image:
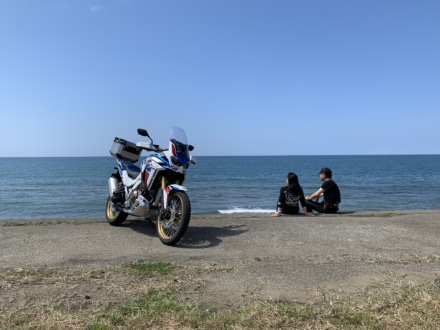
[(244, 210)]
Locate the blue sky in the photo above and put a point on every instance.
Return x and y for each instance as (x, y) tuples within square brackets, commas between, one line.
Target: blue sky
[(242, 77)]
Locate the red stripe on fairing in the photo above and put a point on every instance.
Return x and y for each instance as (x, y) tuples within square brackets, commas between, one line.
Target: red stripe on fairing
[(173, 150), (167, 190)]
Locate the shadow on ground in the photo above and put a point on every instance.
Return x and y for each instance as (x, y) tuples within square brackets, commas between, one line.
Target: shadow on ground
[(194, 238)]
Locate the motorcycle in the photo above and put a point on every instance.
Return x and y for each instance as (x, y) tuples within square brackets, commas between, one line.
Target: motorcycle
[(154, 189)]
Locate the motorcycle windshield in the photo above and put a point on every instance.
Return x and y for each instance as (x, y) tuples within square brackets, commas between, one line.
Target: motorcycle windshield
[(179, 144)]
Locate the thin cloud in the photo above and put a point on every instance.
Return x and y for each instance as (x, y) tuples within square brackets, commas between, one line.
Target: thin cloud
[(96, 8)]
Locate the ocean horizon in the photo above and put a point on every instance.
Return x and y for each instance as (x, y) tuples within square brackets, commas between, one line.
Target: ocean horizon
[(35, 188)]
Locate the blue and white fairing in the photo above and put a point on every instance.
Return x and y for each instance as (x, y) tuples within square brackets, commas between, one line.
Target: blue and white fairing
[(179, 145), (129, 173), (176, 158)]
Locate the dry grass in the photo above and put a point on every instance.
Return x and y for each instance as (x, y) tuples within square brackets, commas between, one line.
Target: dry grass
[(140, 296)]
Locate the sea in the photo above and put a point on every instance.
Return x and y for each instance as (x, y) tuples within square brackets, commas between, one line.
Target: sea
[(77, 187)]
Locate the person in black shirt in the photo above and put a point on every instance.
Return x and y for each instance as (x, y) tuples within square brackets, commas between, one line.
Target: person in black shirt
[(290, 197), (329, 190)]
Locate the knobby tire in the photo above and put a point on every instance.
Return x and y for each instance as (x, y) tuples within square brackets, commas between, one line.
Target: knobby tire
[(172, 226), (114, 217)]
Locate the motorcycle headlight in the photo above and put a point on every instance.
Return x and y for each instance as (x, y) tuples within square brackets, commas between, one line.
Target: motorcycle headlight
[(175, 161)]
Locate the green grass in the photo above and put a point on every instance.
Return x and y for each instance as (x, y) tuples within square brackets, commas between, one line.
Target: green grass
[(161, 268), (149, 296)]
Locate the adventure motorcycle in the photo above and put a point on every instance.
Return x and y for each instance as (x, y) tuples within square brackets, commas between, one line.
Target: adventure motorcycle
[(154, 190)]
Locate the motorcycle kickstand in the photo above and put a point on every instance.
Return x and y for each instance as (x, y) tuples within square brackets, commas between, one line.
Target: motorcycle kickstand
[(151, 222)]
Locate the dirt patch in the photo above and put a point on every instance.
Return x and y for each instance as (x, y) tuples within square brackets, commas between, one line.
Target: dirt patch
[(222, 289), (222, 261)]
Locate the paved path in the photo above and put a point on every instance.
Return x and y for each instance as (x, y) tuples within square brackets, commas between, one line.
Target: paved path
[(293, 256)]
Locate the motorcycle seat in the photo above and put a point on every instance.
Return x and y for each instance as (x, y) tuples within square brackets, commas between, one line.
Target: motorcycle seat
[(132, 170)]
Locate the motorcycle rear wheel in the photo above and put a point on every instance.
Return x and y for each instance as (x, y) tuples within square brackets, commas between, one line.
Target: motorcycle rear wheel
[(113, 216), (173, 224)]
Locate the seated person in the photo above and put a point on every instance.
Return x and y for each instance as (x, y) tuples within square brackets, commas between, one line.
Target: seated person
[(329, 190), (290, 197)]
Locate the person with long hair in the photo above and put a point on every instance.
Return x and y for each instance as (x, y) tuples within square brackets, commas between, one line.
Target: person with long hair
[(291, 196)]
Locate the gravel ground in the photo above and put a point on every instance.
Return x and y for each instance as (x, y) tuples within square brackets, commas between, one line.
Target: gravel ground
[(247, 256)]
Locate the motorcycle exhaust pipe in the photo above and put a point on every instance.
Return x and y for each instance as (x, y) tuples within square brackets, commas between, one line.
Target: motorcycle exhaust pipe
[(113, 184)]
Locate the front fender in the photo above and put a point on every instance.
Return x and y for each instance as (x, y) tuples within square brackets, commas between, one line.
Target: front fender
[(168, 190)]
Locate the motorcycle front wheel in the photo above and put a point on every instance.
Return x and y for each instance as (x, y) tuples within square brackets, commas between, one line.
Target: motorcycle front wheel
[(113, 216), (173, 223)]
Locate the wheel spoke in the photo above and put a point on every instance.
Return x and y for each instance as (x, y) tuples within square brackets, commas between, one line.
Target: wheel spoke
[(175, 220)]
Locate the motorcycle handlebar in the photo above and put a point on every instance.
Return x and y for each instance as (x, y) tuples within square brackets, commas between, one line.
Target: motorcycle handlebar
[(149, 146)]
